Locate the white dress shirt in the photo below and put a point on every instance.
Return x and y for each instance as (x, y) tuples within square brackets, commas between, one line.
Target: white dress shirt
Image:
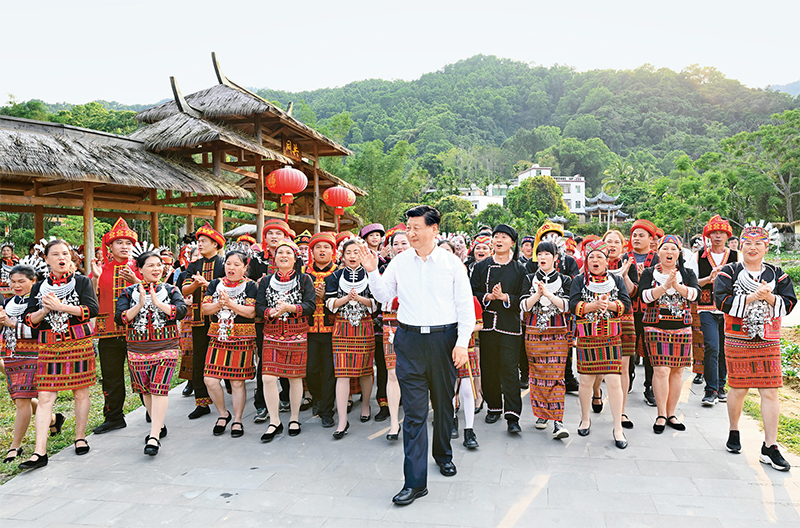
[(431, 292)]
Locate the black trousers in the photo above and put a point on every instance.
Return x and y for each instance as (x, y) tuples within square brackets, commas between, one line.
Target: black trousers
[(425, 364), (640, 341), (258, 401), (382, 375), (524, 369), (200, 341), (499, 367), (320, 375), (113, 352)]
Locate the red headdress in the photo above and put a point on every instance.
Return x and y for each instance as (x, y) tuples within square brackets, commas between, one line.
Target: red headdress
[(211, 233), (120, 230)]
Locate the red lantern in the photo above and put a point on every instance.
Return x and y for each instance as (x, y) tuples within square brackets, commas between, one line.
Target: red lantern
[(338, 197), (286, 182)]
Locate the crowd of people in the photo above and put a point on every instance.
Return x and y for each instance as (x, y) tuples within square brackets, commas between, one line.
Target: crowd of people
[(320, 319)]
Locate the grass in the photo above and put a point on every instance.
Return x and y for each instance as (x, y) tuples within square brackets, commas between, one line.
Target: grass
[(65, 405)]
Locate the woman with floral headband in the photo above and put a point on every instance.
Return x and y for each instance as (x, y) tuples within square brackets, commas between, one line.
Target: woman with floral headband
[(598, 298), (231, 303), (285, 299), (667, 289), (754, 296)]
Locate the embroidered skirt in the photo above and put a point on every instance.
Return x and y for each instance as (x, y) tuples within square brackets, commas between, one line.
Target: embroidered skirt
[(628, 334), (698, 343), (21, 369), (230, 360), (389, 328), (353, 348), (152, 373), (669, 348), (474, 360), (599, 355), (547, 358), (186, 346), (68, 365), (285, 355), (753, 363)]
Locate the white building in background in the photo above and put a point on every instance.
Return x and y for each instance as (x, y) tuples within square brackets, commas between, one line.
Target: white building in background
[(573, 187)]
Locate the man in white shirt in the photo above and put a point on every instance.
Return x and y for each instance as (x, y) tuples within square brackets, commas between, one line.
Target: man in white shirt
[(436, 317), (706, 264)]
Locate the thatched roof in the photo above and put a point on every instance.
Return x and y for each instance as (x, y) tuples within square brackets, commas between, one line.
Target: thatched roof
[(182, 130), (225, 101), (41, 149)]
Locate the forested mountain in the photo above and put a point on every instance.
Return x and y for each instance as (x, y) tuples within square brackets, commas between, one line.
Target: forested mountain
[(791, 88)]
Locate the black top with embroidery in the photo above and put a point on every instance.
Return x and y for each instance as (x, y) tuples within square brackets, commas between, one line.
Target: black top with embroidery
[(247, 297), (151, 324), (61, 326), (498, 315), (210, 268)]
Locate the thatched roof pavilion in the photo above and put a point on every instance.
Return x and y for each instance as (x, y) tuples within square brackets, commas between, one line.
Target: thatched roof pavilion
[(61, 169)]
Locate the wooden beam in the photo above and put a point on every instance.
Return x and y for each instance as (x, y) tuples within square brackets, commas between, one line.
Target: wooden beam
[(148, 208), (230, 168), (8, 186), (68, 211), (153, 219), (217, 159), (239, 208), (186, 199), (239, 220), (39, 200), (55, 189), (88, 225)]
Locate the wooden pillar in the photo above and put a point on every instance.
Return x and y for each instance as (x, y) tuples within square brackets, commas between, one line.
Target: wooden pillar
[(259, 199), (217, 162), (153, 219), (38, 215), (317, 216), (189, 224), (218, 215), (88, 225)]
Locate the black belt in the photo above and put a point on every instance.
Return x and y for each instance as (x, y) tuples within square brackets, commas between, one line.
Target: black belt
[(427, 329)]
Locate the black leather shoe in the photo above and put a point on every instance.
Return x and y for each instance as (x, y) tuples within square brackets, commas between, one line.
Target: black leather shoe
[(151, 449), (368, 417), (219, 429), (621, 444), (383, 413), (698, 379), (454, 429), (338, 435), (470, 440), (491, 417), (448, 469), (327, 421), (200, 410), (110, 426), (188, 389), (306, 404), (393, 436), (585, 432), (269, 435), (41, 461), (409, 495), (513, 427)]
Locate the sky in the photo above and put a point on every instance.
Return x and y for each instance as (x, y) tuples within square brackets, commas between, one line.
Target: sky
[(82, 50)]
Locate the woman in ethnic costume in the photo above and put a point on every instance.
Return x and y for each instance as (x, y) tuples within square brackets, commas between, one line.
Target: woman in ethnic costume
[(61, 309), (481, 249), (349, 297), (285, 299), (231, 301), (188, 254), (151, 310), (619, 264), (399, 244), (755, 296), (667, 289), (19, 349), (544, 304), (598, 298)]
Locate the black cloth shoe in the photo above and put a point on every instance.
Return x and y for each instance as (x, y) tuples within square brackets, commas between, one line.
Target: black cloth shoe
[(41, 461), (649, 397), (734, 445), (597, 407), (238, 432), (83, 449), (200, 410), (161, 434), (188, 389), (409, 495), (110, 426), (327, 421), (338, 435), (470, 440), (306, 405), (56, 427), (448, 469), (383, 413), (627, 423), (151, 449), (294, 432), (678, 426), (17, 453), (147, 417), (698, 379), (659, 428), (572, 385), (454, 429), (272, 430), (772, 457), (492, 417), (219, 429), (513, 427)]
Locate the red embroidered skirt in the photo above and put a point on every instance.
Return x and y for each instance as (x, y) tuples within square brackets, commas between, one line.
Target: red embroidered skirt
[(353, 348), (152, 373), (21, 369), (753, 363), (68, 365), (669, 348), (285, 350)]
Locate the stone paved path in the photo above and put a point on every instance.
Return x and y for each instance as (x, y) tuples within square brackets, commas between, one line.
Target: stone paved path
[(673, 480)]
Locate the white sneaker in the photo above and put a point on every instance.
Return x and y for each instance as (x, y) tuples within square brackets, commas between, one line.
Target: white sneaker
[(541, 423), (559, 431)]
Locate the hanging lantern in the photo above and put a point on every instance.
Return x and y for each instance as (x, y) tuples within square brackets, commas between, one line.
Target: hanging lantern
[(338, 197), (286, 182)]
